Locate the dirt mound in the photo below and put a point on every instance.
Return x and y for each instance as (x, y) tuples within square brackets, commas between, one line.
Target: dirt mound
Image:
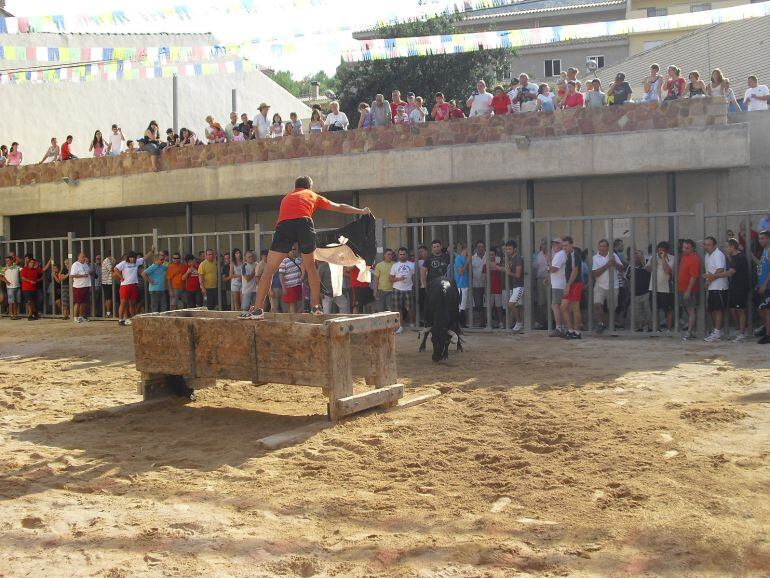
[(713, 415)]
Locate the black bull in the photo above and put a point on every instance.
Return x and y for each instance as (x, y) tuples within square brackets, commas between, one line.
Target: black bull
[(442, 315)]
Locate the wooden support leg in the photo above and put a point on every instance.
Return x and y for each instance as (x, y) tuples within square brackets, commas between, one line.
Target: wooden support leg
[(340, 373), (381, 347)]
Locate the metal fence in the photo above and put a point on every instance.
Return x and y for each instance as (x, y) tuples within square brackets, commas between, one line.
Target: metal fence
[(486, 310)]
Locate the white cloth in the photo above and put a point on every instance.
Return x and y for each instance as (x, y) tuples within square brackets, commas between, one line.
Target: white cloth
[(482, 104), (664, 278), (603, 280), (79, 268), (558, 279), (477, 268), (340, 118), (405, 269), (755, 103), (12, 277), (715, 261), (338, 257), (130, 271), (116, 144), (541, 265), (261, 125)]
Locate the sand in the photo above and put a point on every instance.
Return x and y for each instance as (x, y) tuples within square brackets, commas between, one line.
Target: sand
[(541, 457)]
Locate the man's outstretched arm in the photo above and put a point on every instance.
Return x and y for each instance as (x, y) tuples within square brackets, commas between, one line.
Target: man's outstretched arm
[(347, 209)]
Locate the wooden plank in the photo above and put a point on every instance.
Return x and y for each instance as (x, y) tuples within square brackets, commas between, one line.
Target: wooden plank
[(339, 372), (225, 349), (362, 401), (154, 337), (127, 408), (291, 437), (416, 400), (356, 324), (315, 378)]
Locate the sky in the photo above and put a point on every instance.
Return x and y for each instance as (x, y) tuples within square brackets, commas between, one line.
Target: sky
[(312, 32)]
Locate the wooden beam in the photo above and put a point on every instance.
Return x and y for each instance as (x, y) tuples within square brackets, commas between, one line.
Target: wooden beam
[(291, 437), (364, 323), (369, 399), (416, 400)]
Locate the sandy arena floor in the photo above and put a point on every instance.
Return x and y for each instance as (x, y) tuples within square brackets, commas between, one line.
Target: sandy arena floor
[(542, 457)]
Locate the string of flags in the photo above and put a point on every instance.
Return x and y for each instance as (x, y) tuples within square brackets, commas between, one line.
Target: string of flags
[(149, 54)]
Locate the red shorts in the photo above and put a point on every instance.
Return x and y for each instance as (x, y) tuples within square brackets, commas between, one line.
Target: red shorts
[(575, 293), (129, 292), (292, 294), (81, 295)]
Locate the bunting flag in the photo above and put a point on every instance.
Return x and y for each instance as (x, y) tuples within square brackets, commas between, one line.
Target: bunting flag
[(125, 70), (387, 48), (151, 54)]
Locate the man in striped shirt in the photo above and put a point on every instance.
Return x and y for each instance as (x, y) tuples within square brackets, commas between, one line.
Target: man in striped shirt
[(290, 272)]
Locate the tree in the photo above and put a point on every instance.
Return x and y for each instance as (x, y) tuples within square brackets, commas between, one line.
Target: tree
[(453, 74), (301, 87)]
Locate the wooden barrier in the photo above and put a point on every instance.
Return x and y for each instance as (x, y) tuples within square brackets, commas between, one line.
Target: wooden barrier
[(324, 351)]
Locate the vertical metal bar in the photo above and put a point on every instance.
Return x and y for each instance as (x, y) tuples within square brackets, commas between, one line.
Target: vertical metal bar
[(632, 281), (530, 280), (700, 234), (92, 258), (507, 294), (258, 240), (549, 312), (234, 101), (45, 284), (113, 292), (415, 235), (469, 267), (487, 289), (750, 263), (611, 296), (675, 243), (70, 253), (671, 190), (654, 270), (218, 261), (175, 103), (379, 235), (451, 250), (591, 280)]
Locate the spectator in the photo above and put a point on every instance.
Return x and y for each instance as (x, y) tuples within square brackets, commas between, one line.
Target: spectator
[(516, 273), (192, 284), (574, 99), (402, 277), (66, 149), (230, 126), (461, 274), (97, 145), (764, 223), (411, 103), (739, 281), (561, 93), (246, 127), (61, 289), (207, 273), (395, 102), (401, 116), (127, 272), (225, 299), (480, 102), (316, 123), (3, 155), (572, 76), (130, 148), (276, 294), (291, 273), (383, 114), (595, 98), (573, 290), (95, 269), (14, 155), (115, 146), (187, 137), (235, 274), (151, 144), (288, 129), (155, 276), (237, 136), (454, 110), (540, 266), (11, 277), (495, 288), (249, 281), (361, 293), (513, 94), (602, 264), (434, 265), (641, 299), (528, 92), (175, 281), (763, 278), (546, 102), (556, 264), (365, 116), (619, 91), (732, 102), (328, 300), (107, 281), (336, 120), (441, 108), (501, 102), (52, 154), (717, 286), (478, 281), (383, 289), (419, 113), (756, 96), (214, 131), (81, 287), (261, 123), (664, 263), (696, 87), (172, 139), (674, 84), (296, 124), (689, 272), (276, 127), (652, 85)]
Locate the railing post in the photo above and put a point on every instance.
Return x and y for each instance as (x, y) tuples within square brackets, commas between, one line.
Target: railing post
[(700, 234), (70, 253), (257, 242), (379, 235), (527, 244), (155, 240)]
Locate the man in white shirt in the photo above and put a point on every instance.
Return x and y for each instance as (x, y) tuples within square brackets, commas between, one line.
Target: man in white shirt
[(116, 141), (480, 102), (664, 263), (478, 281), (528, 92), (336, 120), (556, 265), (127, 272), (717, 286), (231, 125), (80, 273), (602, 264), (402, 278), (261, 123), (756, 96)]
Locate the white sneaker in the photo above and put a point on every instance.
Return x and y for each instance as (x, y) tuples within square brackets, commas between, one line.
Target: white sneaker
[(713, 337), (129, 322), (687, 336), (400, 330), (109, 314), (517, 327), (740, 338)]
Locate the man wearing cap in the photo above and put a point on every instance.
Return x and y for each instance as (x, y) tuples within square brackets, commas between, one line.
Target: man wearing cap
[(261, 123)]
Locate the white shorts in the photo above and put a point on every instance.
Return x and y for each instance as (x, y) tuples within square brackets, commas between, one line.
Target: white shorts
[(601, 295), (463, 299), (517, 297)]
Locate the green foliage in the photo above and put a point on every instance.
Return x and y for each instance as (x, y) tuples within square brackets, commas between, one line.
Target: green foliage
[(301, 87)]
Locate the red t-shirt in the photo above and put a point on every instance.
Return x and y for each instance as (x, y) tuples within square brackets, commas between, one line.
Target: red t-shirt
[(442, 111), (300, 204), (495, 281), (30, 273), (501, 103), (193, 281), (394, 109), (574, 100), (354, 282), (689, 267), (675, 87), (65, 151), (457, 113)]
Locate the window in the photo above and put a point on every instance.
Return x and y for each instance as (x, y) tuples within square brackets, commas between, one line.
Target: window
[(700, 7), (599, 60), (653, 12), (552, 68)]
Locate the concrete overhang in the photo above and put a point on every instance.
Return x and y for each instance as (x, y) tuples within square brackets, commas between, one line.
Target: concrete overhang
[(593, 155)]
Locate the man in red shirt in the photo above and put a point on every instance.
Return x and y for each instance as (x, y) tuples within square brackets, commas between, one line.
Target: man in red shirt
[(441, 108), (455, 111), (295, 225), (30, 276), (395, 102), (501, 102), (689, 272), (66, 150), (574, 99)]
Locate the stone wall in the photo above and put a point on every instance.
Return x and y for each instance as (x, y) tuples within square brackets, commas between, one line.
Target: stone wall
[(510, 128)]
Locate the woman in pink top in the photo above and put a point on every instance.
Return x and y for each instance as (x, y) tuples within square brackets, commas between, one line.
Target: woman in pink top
[(97, 145), (14, 155)]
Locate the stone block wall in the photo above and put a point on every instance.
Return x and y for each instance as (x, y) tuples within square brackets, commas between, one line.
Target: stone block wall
[(510, 128)]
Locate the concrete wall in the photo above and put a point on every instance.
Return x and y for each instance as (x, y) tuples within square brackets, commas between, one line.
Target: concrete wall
[(532, 60)]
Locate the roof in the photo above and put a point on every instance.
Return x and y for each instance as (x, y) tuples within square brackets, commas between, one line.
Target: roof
[(525, 7), (738, 49)]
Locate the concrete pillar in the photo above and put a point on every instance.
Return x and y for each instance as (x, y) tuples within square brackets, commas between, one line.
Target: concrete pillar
[(246, 218), (175, 103), (91, 223), (531, 196), (671, 190), (234, 101), (5, 228), (188, 226)]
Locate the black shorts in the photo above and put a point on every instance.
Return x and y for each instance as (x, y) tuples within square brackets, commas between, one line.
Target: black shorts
[(362, 296), (30, 296), (300, 231), (737, 300), (665, 301), (717, 300)]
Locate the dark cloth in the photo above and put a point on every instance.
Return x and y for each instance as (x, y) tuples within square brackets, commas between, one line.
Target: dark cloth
[(360, 235), (573, 261), (740, 282), (717, 301), (621, 92), (642, 280), (300, 231)]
